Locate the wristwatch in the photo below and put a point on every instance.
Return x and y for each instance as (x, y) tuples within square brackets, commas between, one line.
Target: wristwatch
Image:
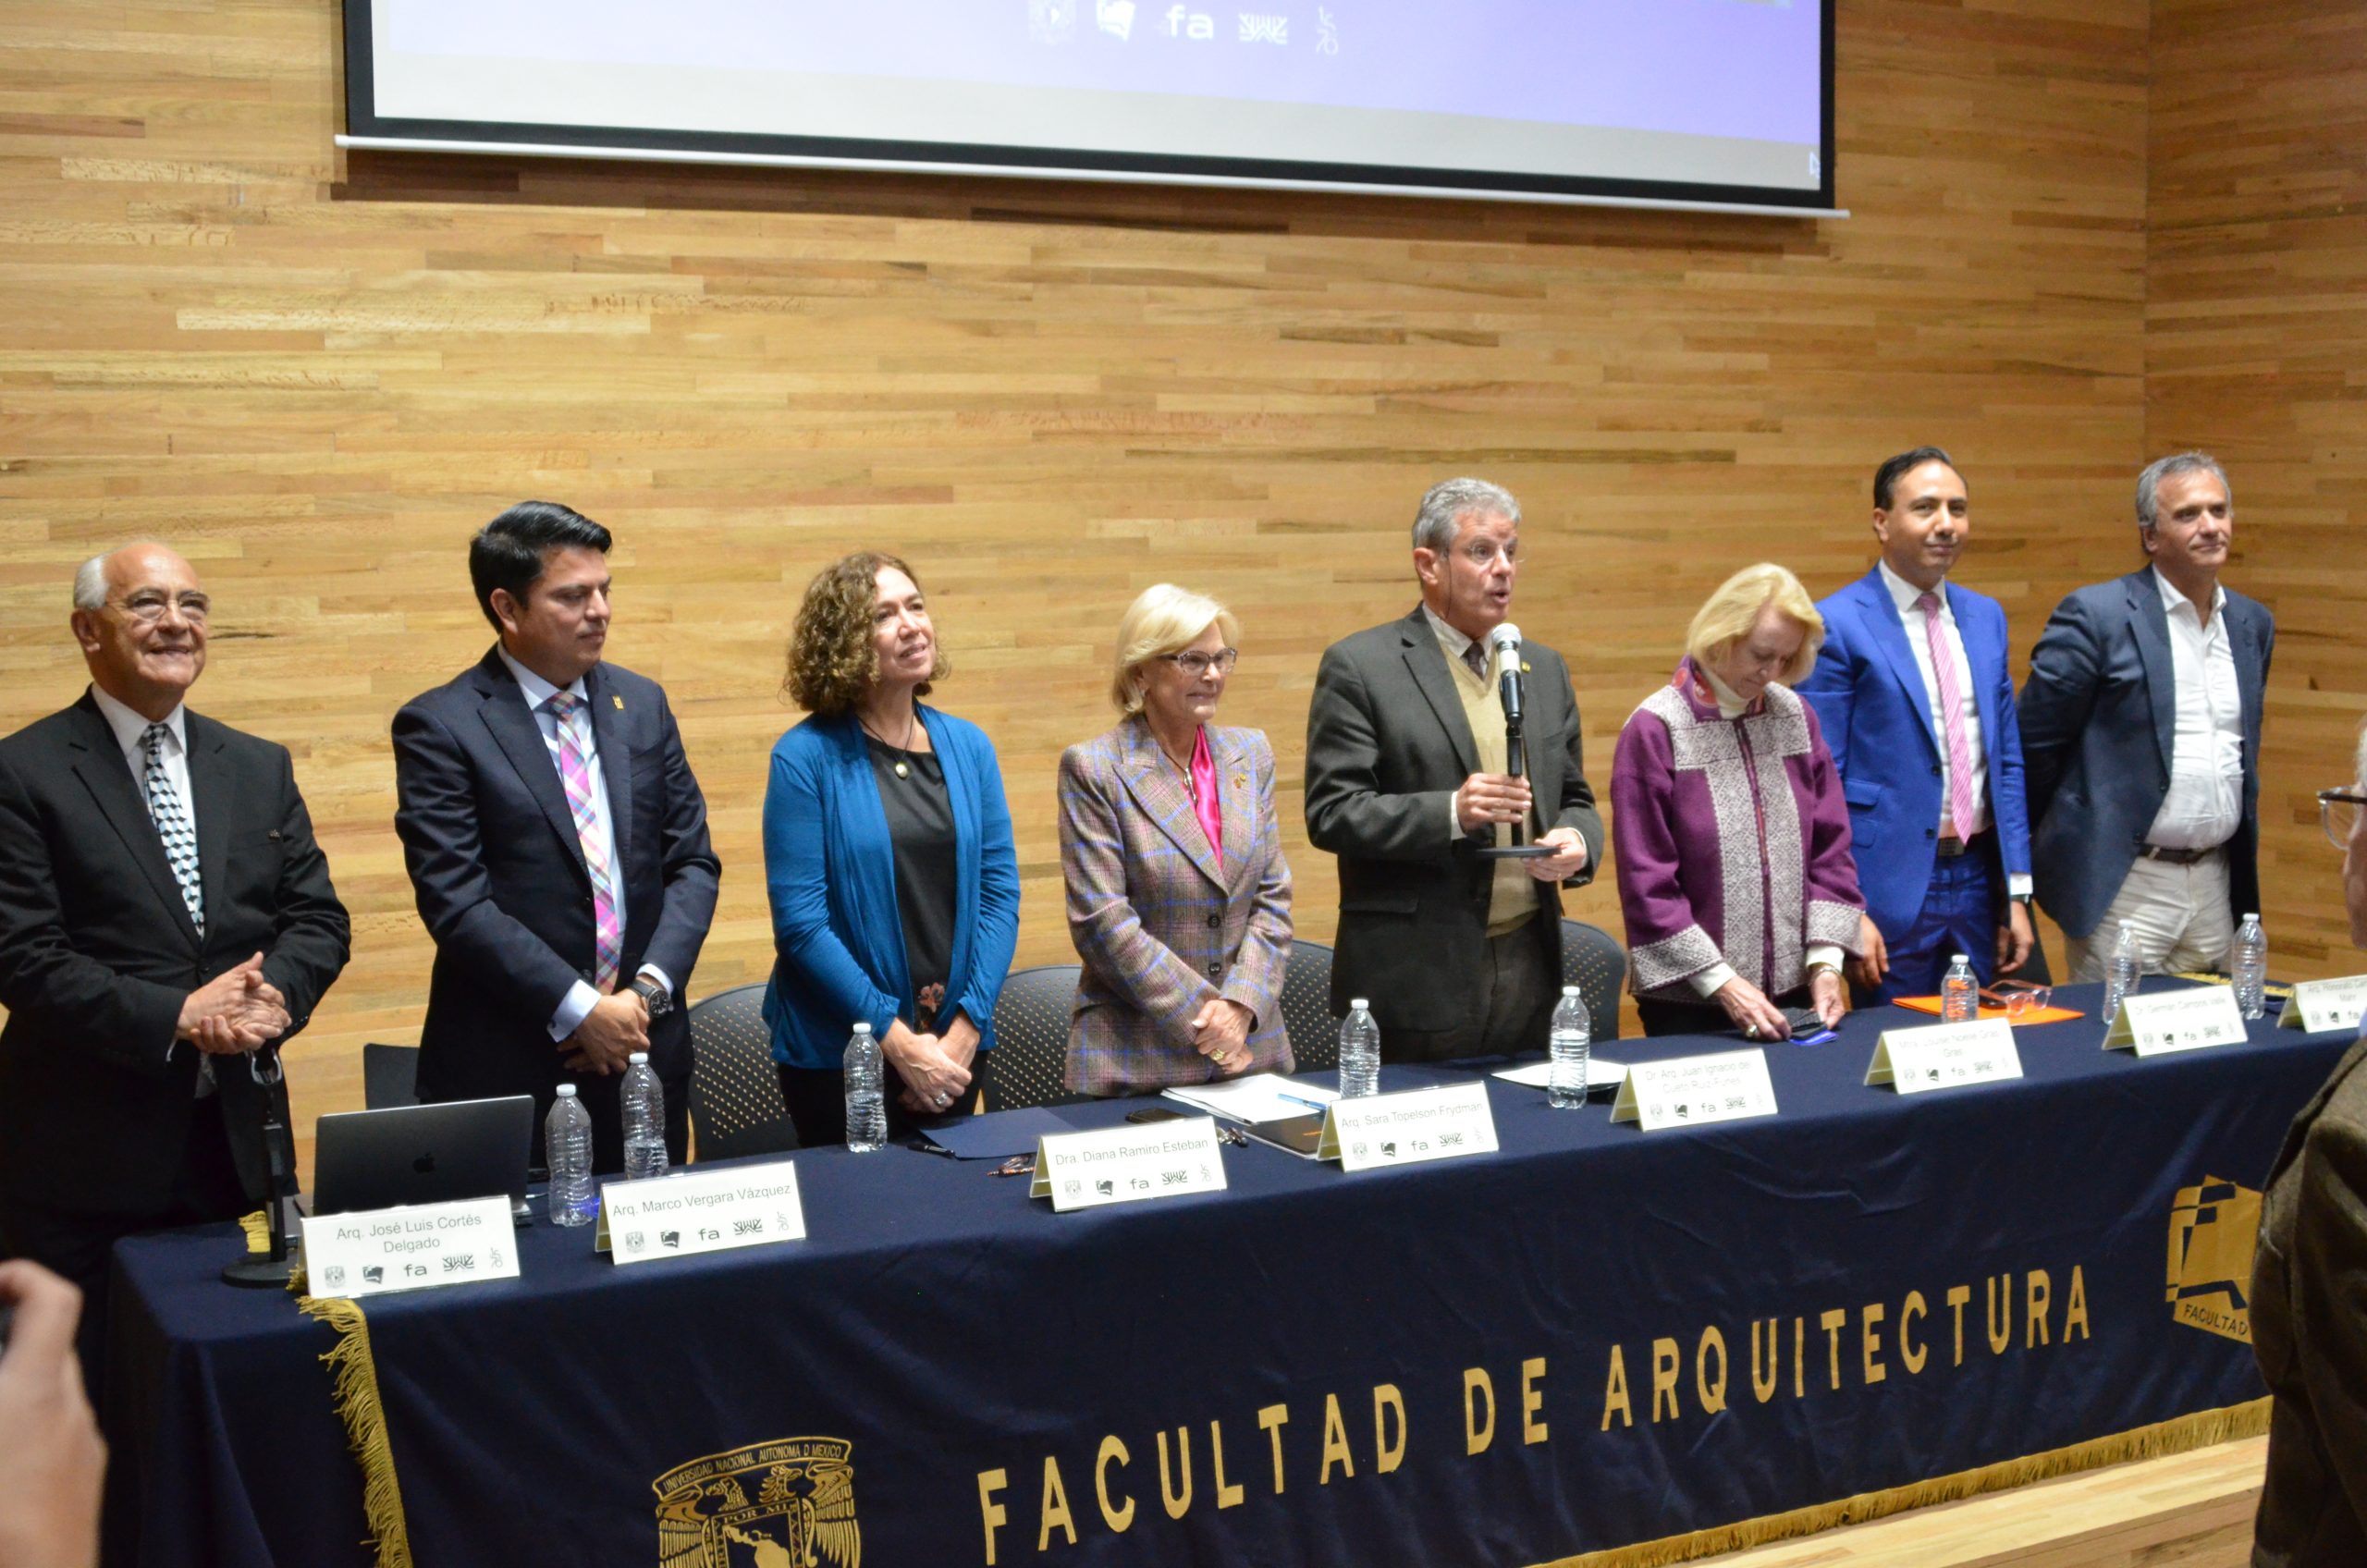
[(659, 1000)]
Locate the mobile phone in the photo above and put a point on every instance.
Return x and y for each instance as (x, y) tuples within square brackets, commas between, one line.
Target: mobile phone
[(1154, 1113), (1805, 1020)]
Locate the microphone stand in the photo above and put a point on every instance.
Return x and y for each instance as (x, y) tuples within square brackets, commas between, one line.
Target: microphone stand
[(273, 1268)]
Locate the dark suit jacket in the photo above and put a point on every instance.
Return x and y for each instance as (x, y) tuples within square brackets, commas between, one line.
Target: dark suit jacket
[(2307, 1277), (1387, 745), (1868, 691), (498, 871), (2099, 721), (97, 952)]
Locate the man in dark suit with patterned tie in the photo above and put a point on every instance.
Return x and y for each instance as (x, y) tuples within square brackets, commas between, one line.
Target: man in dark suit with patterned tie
[(557, 842), (166, 923)]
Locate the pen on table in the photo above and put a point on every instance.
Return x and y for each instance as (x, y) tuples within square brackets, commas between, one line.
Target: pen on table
[(1311, 1105)]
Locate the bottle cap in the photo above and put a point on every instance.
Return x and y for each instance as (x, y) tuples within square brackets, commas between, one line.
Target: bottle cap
[(2252, 917), (566, 1091), (1569, 991), (1358, 1004), (1961, 958), (638, 1059), (863, 1028)]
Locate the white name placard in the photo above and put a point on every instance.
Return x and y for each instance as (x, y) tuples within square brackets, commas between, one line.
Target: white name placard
[(695, 1211), (1688, 1090), (1409, 1127), (413, 1248), (1945, 1056), (1156, 1159), (2177, 1021), (2321, 1006)]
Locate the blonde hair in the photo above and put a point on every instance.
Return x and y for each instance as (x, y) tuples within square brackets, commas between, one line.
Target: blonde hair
[(1162, 619), (1728, 615)]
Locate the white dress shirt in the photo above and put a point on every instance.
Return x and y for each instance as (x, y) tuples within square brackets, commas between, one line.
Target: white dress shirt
[(2206, 803), (129, 728), (1904, 593), (583, 996)]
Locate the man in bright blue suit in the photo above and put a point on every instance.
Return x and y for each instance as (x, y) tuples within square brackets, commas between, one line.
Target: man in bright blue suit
[(1917, 703)]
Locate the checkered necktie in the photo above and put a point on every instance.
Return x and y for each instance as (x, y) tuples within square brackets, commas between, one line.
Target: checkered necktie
[(1959, 744), (172, 823), (575, 774)]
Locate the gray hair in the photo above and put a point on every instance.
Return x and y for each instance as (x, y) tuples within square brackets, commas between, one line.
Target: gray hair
[(2173, 468), (91, 583), (1449, 501)]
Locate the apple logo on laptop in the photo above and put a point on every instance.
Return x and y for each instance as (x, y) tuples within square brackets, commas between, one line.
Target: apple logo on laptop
[(424, 1165)]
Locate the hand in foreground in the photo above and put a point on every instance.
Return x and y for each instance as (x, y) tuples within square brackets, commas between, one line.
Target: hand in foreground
[(1221, 1032), (1488, 797), (617, 1026), (1829, 997), (1559, 867), (933, 1078), (236, 1011), (958, 1037), (2014, 938), (49, 1489), (1871, 967), (1756, 1016)]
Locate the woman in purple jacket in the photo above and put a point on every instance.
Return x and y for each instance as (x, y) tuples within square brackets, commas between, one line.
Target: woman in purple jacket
[(1731, 836)]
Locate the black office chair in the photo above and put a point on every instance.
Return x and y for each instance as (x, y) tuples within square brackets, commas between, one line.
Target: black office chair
[(389, 1076), (1032, 1039), (1307, 1008), (736, 1107), (1593, 961)]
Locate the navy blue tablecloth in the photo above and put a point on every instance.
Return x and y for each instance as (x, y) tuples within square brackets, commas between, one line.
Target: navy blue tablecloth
[(1592, 1337)]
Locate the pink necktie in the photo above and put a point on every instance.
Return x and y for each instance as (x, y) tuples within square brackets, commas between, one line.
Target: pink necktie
[(575, 774), (1944, 671)]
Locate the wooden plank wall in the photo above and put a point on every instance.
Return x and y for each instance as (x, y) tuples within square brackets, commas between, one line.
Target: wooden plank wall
[(316, 378), (2256, 349)]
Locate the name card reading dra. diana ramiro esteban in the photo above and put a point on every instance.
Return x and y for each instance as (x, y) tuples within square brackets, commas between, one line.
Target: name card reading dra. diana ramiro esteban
[(1686, 1090), (1945, 1056), (1408, 1127), (411, 1248), (1157, 1159), (695, 1211), (2177, 1021)]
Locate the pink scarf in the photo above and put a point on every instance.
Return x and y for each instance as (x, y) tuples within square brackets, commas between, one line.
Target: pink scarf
[(1205, 803)]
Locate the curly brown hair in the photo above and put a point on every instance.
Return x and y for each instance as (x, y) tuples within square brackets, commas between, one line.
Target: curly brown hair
[(832, 662)]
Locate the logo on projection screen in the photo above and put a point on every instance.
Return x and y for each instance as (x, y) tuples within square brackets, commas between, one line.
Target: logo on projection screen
[(1051, 21)]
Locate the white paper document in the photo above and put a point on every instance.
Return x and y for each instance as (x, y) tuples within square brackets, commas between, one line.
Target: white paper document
[(1601, 1074), (1261, 1096)]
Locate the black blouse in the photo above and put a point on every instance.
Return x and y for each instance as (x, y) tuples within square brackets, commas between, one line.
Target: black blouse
[(920, 824)]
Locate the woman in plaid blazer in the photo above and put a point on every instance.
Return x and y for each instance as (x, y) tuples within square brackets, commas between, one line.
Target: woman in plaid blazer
[(1179, 900)]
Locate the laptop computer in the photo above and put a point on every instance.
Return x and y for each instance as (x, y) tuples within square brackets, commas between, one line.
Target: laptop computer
[(414, 1154)]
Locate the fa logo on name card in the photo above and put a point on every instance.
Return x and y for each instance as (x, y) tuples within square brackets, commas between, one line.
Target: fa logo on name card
[(2214, 1229), (787, 1504)]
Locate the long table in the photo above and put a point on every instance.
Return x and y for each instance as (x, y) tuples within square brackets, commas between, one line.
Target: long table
[(1593, 1337)]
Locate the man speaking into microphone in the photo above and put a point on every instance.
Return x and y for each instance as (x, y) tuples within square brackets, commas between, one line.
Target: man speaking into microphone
[(1407, 782)]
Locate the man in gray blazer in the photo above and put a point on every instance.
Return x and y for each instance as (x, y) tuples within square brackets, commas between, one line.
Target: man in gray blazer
[(1406, 780), (2141, 740)]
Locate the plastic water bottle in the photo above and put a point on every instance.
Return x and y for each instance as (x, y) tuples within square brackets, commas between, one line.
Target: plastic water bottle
[(1959, 993), (567, 1148), (1359, 1052), (1565, 1046), (2120, 976), (867, 1099), (644, 1112), (2251, 968)]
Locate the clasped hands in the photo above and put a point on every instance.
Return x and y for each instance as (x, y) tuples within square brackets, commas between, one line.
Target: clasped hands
[(1486, 799), (934, 1067), (1221, 1032), (234, 1013), (617, 1026)]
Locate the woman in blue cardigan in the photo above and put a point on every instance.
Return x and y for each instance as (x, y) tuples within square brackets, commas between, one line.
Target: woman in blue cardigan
[(888, 860)]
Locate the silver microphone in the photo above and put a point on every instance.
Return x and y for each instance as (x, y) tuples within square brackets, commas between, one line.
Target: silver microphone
[(1505, 642)]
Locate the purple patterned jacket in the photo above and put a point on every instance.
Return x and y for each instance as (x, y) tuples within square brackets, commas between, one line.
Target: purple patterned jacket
[(1732, 840)]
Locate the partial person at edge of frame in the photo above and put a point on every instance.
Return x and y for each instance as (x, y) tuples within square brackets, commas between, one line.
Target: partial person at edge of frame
[(2309, 1273), (1727, 757), (1405, 755), (1179, 900), (888, 860), (1916, 704), (2140, 731), (49, 1489)]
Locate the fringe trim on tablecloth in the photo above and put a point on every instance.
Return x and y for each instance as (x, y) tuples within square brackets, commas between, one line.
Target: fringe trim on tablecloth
[(2199, 1430), (355, 1391)]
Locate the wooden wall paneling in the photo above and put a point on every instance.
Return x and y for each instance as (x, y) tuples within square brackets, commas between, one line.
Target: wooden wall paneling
[(316, 375)]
